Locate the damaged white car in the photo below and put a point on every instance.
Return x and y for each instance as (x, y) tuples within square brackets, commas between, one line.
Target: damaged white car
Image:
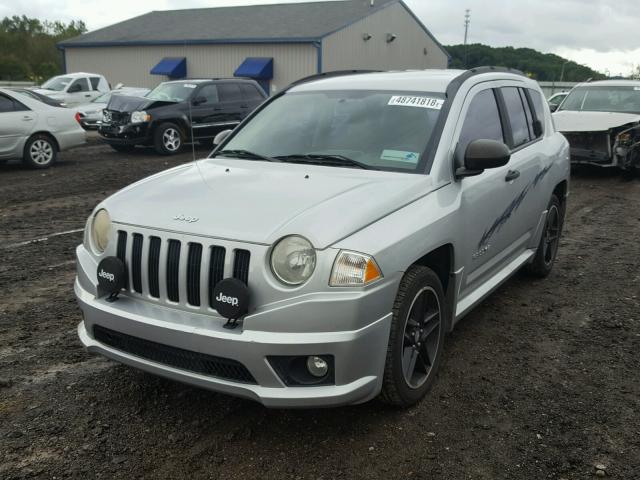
[(601, 120)]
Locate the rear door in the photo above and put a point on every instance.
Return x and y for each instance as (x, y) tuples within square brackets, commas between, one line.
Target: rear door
[(251, 97), (16, 124)]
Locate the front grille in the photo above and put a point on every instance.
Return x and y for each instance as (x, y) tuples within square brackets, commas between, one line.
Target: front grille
[(180, 271), (219, 367), (596, 141), (117, 118)]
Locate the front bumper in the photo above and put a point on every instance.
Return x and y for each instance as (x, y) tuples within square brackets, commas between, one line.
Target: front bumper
[(128, 134), (359, 355)]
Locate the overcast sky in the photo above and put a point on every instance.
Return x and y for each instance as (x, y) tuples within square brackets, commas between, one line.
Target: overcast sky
[(599, 33)]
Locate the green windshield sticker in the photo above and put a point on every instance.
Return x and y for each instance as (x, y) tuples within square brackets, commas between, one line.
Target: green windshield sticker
[(400, 156)]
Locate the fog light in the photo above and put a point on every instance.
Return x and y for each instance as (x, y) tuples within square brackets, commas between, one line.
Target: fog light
[(318, 367)]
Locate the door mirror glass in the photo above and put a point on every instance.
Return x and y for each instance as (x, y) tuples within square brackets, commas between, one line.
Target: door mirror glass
[(199, 100), (220, 137), (483, 154)]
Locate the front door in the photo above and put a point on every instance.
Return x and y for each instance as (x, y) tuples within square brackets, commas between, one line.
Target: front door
[(16, 123), (80, 92)]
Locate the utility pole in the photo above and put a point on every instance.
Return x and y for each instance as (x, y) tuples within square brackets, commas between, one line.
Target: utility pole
[(467, 21)]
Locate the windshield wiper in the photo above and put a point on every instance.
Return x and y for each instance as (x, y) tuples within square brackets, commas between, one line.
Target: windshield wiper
[(246, 155), (327, 159)]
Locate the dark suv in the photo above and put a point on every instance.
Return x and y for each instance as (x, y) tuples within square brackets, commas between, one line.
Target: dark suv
[(178, 111)]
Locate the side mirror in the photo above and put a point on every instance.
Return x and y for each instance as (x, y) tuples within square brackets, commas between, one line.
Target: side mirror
[(220, 137), (199, 100), (553, 107), (483, 154)]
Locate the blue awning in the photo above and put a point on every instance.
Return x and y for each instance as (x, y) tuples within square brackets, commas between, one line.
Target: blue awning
[(256, 67), (174, 67)]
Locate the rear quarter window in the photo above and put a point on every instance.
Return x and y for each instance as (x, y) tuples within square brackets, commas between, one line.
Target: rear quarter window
[(250, 92), (95, 81)]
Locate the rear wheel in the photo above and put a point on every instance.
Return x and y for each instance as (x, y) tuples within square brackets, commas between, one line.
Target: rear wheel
[(416, 339), (40, 151), (168, 139), (542, 263), (122, 148)]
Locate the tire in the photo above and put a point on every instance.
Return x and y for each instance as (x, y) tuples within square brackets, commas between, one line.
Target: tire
[(414, 343), (168, 139), (40, 151), (122, 148), (545, 258)]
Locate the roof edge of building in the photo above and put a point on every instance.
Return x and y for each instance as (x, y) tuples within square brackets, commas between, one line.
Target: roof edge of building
[(207, 41)]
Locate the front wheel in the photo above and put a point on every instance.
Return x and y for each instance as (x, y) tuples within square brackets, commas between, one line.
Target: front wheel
[(542, 263), (168, 139), (416, 339), (40, 152)]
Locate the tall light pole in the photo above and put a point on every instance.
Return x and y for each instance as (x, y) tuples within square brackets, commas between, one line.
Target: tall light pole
[(467, 21)]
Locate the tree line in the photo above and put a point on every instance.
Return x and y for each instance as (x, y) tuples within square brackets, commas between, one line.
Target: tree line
[(544, 67), (28, 47)]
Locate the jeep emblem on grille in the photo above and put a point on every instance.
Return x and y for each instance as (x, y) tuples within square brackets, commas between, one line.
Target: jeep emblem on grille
[(185, 218)]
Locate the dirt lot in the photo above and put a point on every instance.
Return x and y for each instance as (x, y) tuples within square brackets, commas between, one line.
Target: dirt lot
[(540, 382)]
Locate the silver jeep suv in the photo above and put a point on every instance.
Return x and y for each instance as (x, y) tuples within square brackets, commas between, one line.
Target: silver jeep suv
[(324, 249)]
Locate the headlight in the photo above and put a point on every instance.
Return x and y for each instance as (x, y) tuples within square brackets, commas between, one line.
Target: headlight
[(293, 260), (140, 117), (353, 269), (100, 231)]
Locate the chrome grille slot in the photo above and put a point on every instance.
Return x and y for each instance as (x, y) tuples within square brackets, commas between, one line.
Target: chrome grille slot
[(121, 252), (194, 261), (173, 271), (136, 262), (216, 269), (154, 266), (241, 265)]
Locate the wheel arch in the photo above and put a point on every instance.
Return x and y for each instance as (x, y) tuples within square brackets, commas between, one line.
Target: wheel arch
[(441, 261), (46, 134)]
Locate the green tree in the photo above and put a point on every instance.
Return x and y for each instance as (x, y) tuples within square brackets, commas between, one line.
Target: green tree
[(28, 48), (540, 66)]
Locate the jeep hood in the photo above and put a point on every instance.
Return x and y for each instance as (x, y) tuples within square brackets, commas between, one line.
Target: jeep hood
[(126, 103), (260, 202), (571, 121)]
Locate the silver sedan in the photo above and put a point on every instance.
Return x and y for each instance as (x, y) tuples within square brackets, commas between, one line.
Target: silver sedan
[(35, 132)]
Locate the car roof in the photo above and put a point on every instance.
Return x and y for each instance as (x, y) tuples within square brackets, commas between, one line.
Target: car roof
[(78, 74), (611, 83), (432, 80)]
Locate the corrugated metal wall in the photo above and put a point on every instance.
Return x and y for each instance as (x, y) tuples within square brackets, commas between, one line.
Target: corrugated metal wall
[(131, 65), (346, 48)]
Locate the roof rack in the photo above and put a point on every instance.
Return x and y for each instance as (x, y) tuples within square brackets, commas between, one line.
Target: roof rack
[(336, 73), (489, 69)]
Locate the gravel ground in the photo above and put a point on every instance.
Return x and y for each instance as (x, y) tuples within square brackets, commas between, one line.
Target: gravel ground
[(541, 381)]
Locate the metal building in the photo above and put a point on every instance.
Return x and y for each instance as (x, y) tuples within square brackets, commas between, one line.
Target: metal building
[(275, 44)]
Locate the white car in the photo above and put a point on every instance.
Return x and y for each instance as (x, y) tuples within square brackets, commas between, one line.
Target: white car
[(35, 132), (601, 120), (90, 114), (74, 88)]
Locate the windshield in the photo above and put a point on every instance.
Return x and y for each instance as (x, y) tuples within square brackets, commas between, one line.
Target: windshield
[(172, 92), (104, 98), (57, 84), (359, 129), (603, 99)]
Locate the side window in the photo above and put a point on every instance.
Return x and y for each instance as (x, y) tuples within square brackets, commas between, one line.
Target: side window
[(84, 85), (229, 92), (517, 116), (250, 92), (527, 113), (95, 81), (210, 92), (6, 104), (481, 122), (538, 107)]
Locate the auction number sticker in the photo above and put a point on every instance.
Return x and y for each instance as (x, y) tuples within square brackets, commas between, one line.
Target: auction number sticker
[(420, 102), (189, 85)]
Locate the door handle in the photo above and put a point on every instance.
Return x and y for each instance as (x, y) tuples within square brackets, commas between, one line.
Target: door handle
[(511, 175), (88, 95), (27, 119)]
